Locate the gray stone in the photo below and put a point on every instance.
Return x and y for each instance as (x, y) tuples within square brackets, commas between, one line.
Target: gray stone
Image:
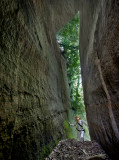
[(34, 96), (99, 48)]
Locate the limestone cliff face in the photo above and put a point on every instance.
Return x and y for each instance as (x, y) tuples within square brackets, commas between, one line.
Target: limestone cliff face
[(99, 49), (34, 96)]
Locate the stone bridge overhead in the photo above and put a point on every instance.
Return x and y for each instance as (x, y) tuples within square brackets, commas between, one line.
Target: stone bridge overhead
[(34, 96)]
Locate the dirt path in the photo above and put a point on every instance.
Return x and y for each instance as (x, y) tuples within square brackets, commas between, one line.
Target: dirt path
[(75, 150)]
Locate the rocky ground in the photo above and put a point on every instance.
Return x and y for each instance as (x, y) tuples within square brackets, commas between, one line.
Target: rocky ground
[(75, 150)]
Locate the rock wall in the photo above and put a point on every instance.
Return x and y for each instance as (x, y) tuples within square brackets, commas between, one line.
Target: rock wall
[(99, 50), (34, 97)]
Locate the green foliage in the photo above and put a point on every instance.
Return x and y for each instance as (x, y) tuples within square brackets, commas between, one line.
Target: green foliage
[(46, 150), (68, 39), (68, 130)]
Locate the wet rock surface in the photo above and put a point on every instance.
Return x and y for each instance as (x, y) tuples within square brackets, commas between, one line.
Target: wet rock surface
[(75, 150)]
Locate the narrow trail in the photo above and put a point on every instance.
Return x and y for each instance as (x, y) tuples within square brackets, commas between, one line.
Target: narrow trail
[(75, 150)]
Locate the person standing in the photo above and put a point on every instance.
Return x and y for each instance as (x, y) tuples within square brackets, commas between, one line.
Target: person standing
[(79, 127)]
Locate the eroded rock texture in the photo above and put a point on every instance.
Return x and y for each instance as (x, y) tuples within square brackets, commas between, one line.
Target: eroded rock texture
[(34, 96), (99, 48)]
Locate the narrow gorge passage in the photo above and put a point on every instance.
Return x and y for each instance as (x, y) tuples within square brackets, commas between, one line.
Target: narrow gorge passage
[(68, 41), (34, 91)]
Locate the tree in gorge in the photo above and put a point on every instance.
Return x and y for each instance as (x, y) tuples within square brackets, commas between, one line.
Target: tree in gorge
[(68, 39)]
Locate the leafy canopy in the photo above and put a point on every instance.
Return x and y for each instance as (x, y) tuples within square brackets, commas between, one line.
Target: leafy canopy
[(68, 39)]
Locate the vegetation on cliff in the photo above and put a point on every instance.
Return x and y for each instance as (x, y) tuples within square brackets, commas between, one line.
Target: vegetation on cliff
[(68, 39)]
